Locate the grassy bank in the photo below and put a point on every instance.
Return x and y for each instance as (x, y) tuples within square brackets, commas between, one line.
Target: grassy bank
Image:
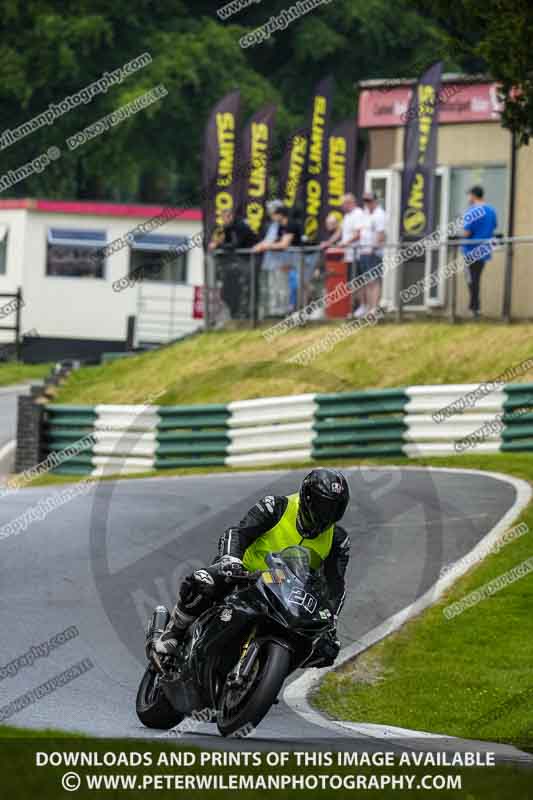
[(468, 676), (14, 372), (238, 365)]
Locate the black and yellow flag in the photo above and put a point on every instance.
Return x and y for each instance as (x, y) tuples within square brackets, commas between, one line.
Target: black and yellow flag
[(340, 169), (420, 156), (316, 158), (220, 179), (292, 169), (254, 166)]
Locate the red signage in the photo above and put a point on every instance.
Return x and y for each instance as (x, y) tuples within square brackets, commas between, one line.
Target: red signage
[(459, 102)]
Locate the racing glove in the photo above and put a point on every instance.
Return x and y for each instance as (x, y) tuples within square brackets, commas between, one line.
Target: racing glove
[(230, 567)]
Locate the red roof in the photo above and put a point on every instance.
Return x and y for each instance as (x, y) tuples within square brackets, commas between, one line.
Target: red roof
[(99, 209)]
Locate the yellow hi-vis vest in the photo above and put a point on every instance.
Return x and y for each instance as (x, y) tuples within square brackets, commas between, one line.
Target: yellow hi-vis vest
[(285, 534)]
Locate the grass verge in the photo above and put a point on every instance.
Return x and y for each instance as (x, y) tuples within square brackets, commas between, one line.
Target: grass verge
[(239, 365), (15, 372), (469, 676)]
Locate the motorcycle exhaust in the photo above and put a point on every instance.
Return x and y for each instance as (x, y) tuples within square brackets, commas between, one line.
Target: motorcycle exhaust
[(158, 622)]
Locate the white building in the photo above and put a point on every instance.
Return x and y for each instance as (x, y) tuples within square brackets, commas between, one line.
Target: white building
[(77, 299)]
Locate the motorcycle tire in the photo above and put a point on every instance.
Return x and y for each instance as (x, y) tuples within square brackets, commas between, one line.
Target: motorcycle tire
[(274, 665), (151, 705)]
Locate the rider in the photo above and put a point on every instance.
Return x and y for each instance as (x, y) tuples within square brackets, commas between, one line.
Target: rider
[(307, 518)]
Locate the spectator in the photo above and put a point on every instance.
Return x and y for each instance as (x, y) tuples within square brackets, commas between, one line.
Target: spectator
[(289, 235), (232, 269), (272, 284), (371, 244), (236, 234), (480, 228)]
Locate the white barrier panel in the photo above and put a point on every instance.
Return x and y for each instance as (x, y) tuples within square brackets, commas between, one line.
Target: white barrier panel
[(104, 465), (422, 427), (116, 443), (272, 409), (271, 437), (438, 398), (268, 458)]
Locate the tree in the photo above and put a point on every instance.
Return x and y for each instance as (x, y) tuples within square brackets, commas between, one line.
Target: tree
[(495, 35), (50, 49)]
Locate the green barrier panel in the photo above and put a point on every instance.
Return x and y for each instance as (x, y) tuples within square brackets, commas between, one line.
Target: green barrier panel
[(392, 435), (193, 422), (69, 434), (191, 449), (193, 436), (517, 388), (516, 447), (518, 432), (332, 425), (359, 409), (362, 452), (370, 394), (206, 461), (65, 470)]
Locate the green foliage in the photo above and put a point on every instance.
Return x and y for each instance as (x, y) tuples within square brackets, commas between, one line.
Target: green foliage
[(494, 36), (50, 49)]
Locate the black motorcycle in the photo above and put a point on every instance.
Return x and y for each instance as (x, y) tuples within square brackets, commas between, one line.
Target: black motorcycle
[(234, 658)]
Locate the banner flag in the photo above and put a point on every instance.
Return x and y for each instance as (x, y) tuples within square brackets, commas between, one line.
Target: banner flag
[(220, 182), (340, 171), (255, 151), (316, 158), (420, 156), (292, 169)]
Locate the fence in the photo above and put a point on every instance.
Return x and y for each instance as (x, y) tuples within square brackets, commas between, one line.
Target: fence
[(252, 287), (10, 348), (416, 421)]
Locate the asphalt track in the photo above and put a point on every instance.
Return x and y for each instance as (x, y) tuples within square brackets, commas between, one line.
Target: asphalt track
[(103, 560)]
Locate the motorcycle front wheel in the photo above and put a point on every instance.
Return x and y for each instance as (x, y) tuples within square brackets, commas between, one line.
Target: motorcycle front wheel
[(243, 708), (153, 708)]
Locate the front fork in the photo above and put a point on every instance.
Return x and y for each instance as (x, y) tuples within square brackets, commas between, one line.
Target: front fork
[(245, 663)]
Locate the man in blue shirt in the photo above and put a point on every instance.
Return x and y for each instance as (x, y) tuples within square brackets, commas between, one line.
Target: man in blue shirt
[(477, 225)]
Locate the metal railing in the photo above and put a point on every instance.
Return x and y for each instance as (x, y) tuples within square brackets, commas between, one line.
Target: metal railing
[(247, 286)]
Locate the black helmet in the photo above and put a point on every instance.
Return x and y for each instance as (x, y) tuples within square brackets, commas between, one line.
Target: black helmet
[(324, 495)]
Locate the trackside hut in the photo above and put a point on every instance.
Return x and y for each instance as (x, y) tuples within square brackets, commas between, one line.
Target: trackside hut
[(472, 148), (74, 274)]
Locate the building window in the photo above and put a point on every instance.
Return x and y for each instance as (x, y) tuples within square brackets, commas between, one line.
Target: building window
[(3, 249), (74, 253), (152, 258), (494, 181)]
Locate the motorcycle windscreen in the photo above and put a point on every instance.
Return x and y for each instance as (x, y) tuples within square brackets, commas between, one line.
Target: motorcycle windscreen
[(300, 590)]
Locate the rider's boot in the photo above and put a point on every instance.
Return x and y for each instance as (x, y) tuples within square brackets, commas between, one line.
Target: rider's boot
[(168, 643)]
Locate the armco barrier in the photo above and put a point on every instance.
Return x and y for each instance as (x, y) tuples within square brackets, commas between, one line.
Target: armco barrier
[(415, 421)]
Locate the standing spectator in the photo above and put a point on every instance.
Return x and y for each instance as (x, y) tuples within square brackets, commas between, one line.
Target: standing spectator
[(235, 234), (480, 228), (289, 235), (271, 286), (348, 233), (231, 268), (371, 244)]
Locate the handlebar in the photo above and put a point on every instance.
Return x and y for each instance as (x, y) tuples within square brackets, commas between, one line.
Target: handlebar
[(247, 577)]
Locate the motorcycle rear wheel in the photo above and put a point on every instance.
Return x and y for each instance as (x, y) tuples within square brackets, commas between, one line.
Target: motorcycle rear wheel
[(273, 667), (151, 705)]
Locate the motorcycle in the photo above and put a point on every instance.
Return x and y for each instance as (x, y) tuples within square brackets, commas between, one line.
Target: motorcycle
[(235, 657)]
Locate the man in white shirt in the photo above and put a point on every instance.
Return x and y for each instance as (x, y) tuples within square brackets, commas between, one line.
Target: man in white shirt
[(347, 235), (371, 241)]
